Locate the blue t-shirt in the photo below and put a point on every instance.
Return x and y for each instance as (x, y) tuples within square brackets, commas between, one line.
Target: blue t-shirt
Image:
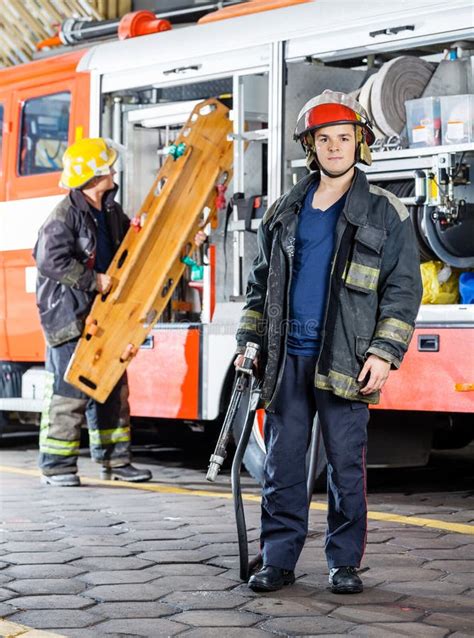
[(315, 238), (105, 249)]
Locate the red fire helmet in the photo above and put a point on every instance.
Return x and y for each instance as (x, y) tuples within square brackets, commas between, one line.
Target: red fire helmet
[(331, 108)]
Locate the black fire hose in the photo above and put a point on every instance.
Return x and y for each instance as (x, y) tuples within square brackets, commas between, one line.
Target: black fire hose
[(246, 381), (254, 399), (73, 31), (142, 22), (243, 377)]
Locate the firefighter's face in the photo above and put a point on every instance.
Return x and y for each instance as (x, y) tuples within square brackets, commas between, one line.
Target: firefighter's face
[(335, 147), (103, 183), (107, 181)]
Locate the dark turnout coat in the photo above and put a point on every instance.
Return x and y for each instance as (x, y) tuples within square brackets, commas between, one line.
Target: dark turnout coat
[(374, 296), (65, 255)]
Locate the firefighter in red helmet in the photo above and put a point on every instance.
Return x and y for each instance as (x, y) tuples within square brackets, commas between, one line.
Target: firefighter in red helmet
[(331, 109), (332, 298)]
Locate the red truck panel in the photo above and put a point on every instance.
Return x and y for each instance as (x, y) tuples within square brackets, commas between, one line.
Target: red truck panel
[(427, 380), (164, 380)]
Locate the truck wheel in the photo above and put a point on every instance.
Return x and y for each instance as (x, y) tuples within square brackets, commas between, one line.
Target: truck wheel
[(453, 431), (3, 422), (255, 453)]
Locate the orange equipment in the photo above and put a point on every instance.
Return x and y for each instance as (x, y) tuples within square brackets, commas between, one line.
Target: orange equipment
[(75, 30), (149, 263), (139, 23), (246, 8)]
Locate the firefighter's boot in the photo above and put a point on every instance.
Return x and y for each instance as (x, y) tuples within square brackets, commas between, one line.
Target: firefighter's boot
[(271, 578), (61, 480), (344, 580), (125, 473)]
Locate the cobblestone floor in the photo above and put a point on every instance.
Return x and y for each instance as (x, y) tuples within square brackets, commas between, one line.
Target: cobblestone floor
[(119, 562)]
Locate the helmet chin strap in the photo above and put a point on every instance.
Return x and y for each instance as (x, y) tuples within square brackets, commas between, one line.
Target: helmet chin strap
[(335, 175)]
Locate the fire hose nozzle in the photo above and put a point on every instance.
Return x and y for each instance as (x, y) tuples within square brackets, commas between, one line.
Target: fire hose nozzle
[(244, 373), (215, 464), (250, 354)]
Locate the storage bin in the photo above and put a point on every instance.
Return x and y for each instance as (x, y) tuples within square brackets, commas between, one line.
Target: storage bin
[(457, 118), (423, 122), (466, 287)]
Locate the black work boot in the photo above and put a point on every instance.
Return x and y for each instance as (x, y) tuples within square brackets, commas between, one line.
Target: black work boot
[(344, 580), (61, 480), (125, 473), (271, 578)]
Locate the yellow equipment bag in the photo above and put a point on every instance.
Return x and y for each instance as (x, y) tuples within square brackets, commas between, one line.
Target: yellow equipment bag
[(440, 283)]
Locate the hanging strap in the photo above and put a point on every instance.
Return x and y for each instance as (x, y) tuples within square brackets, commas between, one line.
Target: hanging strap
[(230, 207), (249, 206)]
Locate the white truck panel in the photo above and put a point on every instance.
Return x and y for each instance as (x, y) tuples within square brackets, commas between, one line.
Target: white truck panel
[(432, 22), (309, 29), (218, 350)]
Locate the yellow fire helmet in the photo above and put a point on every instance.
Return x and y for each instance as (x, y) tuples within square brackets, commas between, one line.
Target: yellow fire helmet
[(86, 159)]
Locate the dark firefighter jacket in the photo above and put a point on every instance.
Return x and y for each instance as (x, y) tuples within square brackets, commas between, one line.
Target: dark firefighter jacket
[(375, 289), (65, 255)]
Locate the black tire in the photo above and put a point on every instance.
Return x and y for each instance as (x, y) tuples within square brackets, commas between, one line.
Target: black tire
[(3, 422), (10, 386), (454, 432)]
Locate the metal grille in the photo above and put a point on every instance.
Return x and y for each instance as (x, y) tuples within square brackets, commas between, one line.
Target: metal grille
[(196, 91)]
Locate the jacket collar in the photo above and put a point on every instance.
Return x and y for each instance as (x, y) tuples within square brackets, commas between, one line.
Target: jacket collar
[(293, 199), (357, 202), (355, 209), (78, 199)]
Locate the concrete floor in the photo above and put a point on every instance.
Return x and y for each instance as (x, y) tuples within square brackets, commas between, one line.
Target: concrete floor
[(109, 560)]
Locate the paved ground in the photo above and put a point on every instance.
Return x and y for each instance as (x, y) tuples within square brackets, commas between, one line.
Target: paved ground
[(119, 562)]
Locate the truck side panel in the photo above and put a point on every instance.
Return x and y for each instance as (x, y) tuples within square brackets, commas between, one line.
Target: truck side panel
[(427, 380), (31, 186), (169, 371)]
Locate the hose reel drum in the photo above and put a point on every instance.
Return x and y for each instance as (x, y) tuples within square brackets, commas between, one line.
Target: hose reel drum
[(443, 221), (451, 243)]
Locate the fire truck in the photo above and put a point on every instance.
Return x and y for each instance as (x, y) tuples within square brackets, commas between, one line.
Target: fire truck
[(265, 66)]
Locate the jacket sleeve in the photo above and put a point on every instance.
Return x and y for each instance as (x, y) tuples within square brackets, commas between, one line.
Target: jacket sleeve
[(54, 255), (400, 294), (252, 325)]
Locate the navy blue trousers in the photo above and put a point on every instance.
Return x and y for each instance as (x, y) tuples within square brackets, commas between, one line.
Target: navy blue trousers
[(284, 499)]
